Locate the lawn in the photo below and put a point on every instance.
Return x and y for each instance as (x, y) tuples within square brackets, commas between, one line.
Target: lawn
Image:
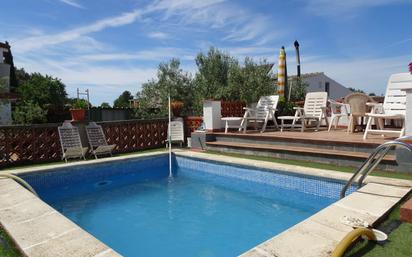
[(399, 243), (7, 248)]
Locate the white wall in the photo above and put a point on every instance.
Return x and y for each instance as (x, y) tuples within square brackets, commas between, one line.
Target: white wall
[(5, 106), (5, 113), (317, 84)]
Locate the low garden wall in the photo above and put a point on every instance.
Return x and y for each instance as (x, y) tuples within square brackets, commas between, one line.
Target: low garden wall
[(40, 143)]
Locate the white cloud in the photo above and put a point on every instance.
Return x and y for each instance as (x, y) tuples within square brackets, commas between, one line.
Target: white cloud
[(239, 23), (248, 31), (155, 54), (37, 42), (104, 82), (158, 35), (401, 42), (73, 3), (334, 7)]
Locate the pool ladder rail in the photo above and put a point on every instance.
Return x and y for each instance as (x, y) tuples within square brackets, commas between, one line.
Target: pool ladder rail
[(20, 181), (374, 159)]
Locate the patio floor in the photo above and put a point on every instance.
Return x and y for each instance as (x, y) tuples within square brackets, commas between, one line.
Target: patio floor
[(338, 135), (335, 147)]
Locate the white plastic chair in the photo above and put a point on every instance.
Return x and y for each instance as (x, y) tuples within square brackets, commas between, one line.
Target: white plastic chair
[(176, 133), (393, 107), (70, 142), (97, 140), (313, 109), (338, 110), (262, 113)]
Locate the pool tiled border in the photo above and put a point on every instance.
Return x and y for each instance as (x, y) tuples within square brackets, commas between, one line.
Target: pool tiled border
[(41, 231)]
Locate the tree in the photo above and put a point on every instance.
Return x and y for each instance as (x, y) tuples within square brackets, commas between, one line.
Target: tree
[(29, 113), (221, 77), (123, 100), (171, 79), (212, 79), (355, 90), (298, 88), (44, 91), (251, 81), (105, 105)]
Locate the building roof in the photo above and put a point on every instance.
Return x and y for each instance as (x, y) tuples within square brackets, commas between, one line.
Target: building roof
[(5, 46), (307, 75), (304, 75)]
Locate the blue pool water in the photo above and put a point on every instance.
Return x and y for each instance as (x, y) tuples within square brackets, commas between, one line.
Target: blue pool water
[(206, 209)]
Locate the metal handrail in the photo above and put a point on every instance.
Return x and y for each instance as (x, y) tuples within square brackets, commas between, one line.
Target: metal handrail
[(20, 181), (373, 160)]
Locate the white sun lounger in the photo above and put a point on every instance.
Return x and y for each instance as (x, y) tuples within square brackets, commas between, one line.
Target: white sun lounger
[(176, 133), (70, 142), (313, 109), (97, 140), (262, 113), (393, 107)]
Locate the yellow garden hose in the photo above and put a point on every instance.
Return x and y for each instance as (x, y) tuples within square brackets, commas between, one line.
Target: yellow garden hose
[(349, 238)]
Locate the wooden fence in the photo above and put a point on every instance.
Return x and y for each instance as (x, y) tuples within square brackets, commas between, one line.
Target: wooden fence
[(40, 143), (232, 108)]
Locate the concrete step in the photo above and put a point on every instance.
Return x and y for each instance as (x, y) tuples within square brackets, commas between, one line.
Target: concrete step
[(331, 144), (322, 155)]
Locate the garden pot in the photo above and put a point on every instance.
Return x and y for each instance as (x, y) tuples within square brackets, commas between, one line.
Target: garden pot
[(176, 108), (78, 114)]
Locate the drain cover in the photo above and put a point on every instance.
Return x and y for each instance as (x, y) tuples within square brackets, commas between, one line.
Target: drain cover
[(103, 183)]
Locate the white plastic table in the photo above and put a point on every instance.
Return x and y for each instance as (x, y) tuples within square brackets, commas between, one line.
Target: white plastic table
[(232, 122), (282, 122)]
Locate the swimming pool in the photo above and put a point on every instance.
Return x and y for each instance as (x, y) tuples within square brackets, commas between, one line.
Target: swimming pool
[(206, 209)]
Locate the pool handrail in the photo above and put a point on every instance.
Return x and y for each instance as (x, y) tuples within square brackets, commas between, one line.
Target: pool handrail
[(374, 159), (20, 181)]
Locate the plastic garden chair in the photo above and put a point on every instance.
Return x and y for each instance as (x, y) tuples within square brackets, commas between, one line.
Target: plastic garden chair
[(70, 142), (313, 109), (358, 108), (263, 112), (338, 110), (176, 133), (393, 107), (97, 140)]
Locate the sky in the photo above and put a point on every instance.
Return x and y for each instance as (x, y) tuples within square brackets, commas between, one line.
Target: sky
[(108, 46)]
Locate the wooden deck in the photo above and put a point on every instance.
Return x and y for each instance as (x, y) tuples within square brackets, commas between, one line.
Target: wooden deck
[(335, 136), (335, 147)]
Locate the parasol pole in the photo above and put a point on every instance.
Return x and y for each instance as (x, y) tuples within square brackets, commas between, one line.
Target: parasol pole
[(169, 138)]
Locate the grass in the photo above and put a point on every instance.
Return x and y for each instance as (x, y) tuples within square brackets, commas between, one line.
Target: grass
[(316, 165), (7, 247), (399, 243)]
